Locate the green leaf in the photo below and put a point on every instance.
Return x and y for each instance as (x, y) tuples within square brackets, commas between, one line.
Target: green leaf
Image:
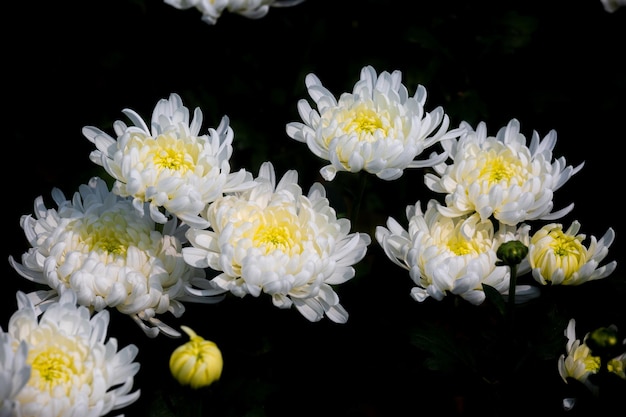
[(495, 298)]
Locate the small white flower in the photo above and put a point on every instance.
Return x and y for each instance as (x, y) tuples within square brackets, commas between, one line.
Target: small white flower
[(14, 373), (443, 254), (75, 371), (577, 362), (559, 258), (612, 5), (169, 164), (377, 128), (272, 239), (500, 176), (110, 254), (212, 9)]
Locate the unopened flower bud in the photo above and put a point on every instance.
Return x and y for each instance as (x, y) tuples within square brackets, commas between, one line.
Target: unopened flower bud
[(511, 253), (197, 363), (602, 341)]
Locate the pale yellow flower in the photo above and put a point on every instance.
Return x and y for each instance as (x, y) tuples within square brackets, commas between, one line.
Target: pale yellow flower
[(559, 257), (212, 9), (197, 363), (273, 239), (75, 370), (111, 255), (448, 255)]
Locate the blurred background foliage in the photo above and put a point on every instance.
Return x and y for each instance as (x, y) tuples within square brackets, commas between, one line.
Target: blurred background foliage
[(552, 65)]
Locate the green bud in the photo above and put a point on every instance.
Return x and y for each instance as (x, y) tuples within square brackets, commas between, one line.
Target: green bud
[(511, 253), (602, 341)]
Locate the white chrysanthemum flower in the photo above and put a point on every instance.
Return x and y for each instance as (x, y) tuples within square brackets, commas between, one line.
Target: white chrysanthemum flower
[(212, 9), (377, 128), (75, 371), (577, 362), (611, 6), (443, 254), (559, 258), (500, 176), (273, 239), (110, 254), (14, 373), (169, 165)]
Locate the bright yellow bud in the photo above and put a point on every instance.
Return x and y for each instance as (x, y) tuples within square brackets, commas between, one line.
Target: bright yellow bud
[(197, 363)]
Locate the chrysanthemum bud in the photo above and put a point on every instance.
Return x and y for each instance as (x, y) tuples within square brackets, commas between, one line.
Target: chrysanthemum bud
[(197, 363), (602, 341), (511, 253)]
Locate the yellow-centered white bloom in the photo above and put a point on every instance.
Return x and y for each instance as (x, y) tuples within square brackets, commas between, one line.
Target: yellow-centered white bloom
[(500, 176), (559, 257), (169, 164), (212, 9), (577, 362), (75, 370), (110, 254), (273, 239), (449, 255), (377, 128), (14, 373), (197, 363)]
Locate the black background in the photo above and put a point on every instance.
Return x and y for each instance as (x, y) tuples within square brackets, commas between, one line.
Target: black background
[(561, 67)]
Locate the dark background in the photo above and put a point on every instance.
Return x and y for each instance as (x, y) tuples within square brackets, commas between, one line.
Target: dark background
[(558, 66)]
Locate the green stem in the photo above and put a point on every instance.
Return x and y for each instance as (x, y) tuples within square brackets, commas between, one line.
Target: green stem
[(511, 303)]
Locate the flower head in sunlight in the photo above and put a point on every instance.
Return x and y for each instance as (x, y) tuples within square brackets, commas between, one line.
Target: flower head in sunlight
[(197, 363), (110, 254), (559, 258), (500, 176), (273, 239), (169, 164), (212, 9), (449, 255), (74, 369), (14, 373), (378, 128)]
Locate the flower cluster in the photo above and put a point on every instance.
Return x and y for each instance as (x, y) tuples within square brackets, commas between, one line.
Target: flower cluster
[(176, 225), (492, 180), (175, 212)]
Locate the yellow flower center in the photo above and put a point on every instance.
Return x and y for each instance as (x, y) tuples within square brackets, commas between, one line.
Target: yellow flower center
[(109, 234), (462, 246), (592, 363), (52, 367), (273, 228), (569, 253), (499, 167), (365, 122), (174, 159), (277, 236), (565, 246)]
